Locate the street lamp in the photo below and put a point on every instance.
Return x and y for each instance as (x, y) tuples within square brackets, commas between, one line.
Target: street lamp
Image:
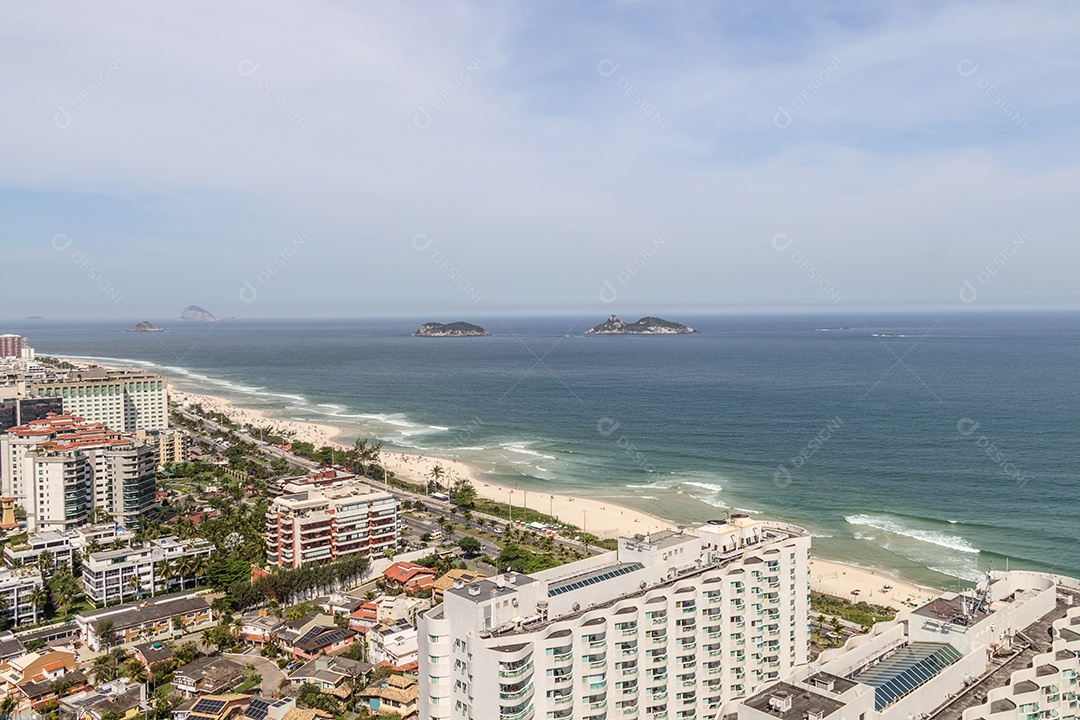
[(511, 507)]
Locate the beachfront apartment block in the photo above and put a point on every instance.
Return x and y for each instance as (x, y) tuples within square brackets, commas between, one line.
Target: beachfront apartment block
[(330, 524), (60, 548), (155, 566), (62, 467), (17, 587), (124, 400), (1008, 650), (670, 626)]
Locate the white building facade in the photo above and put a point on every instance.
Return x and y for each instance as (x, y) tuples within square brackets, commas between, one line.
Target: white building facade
[(16, 589), (151, 568), (668, 626), (124, 400)]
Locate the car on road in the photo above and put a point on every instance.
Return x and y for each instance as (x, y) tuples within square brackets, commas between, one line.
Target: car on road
[(293, 665)]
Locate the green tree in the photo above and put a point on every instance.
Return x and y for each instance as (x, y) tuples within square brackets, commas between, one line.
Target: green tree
[(469, 545), (462, 493)]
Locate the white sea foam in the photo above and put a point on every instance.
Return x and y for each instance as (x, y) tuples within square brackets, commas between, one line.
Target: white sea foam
[(968, 574), (885, 524), (703, 486), (518, 448)]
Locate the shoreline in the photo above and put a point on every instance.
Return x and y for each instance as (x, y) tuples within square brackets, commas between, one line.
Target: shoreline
[(600, 517)]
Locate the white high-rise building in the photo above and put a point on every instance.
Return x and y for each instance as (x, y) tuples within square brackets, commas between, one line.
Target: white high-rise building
[(62, 467), (124, 400), (670, 625)]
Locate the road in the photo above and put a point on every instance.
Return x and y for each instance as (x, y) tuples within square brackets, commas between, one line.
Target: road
[(268, 669)]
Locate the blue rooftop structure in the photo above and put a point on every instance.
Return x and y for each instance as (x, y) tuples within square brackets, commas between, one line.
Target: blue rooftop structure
[(906, 669)]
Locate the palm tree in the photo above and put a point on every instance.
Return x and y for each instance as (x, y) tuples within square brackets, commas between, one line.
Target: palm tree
[(166, 570), (186, 568), (106, 632), (45, 561), (436, 474), (39, 598)]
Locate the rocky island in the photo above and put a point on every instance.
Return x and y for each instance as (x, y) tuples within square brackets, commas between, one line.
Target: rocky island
[(146, 326), (454, 329), (645, 326), (194, 312)]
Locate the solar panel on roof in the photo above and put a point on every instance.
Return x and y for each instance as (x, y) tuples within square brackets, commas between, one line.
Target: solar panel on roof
[(257, 709), (209, 707), (593, 579)]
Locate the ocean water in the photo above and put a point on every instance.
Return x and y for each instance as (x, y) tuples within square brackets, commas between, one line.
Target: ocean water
[(942, 444)]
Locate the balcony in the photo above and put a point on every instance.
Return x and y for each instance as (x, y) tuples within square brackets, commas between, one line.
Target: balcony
[(517, 694), (516, 672)]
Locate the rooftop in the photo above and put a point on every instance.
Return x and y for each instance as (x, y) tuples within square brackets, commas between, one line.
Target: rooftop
[(146, 611), (904, 670), (789, 702), (592, 577)]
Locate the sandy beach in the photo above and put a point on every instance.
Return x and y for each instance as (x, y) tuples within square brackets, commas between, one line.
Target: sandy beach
[(874, 586), (595, 515)]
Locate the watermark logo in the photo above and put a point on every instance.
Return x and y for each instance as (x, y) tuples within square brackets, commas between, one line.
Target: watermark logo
[(967, 427), (782, 118), (607, 427), (62, 119), (422, 242), (61, 243), (968, 291), (608, 291), (783, 475), (247, 68), (607, 68), (422, 119), (967, 68), (781, 243), (248, 292)]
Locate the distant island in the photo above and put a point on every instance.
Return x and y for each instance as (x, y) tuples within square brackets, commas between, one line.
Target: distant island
[(146, 326), (454, 329), (645, 326), (194, 312)]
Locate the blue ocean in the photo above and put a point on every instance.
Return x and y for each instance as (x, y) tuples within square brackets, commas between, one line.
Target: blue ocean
[(928, 445)]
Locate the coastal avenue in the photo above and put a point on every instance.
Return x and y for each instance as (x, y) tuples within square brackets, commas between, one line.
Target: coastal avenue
[(440, 508)]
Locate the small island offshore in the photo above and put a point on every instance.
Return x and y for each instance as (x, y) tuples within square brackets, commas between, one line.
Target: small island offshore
[(454, 329), (645, 326), (146, 326), (194, 312)]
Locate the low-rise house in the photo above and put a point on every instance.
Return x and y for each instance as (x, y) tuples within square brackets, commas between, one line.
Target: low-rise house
[(268, 708), (10, 647), (395, 644), (32, 676), (36, 664), (152, 654), (320, 640), (260, 627), (409, 577), (162, 617), (329, 673), (51, 686), (207, 675), (119, 696), (213, 707), (457, 577), (338, 603), (396, 694), (281, 709)]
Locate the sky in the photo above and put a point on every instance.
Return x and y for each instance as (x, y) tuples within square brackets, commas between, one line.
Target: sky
[(460, 159)]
